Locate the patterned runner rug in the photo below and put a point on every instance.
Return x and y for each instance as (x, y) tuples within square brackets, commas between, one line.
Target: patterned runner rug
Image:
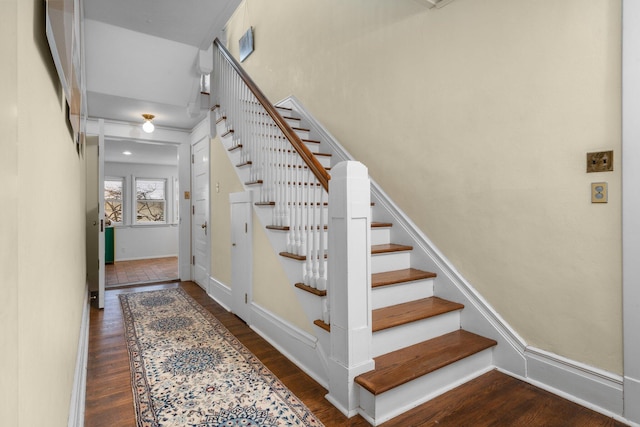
[(187, 369)]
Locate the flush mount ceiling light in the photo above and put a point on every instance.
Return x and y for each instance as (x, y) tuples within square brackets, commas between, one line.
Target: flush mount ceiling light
[(127, 153), (148, 126)]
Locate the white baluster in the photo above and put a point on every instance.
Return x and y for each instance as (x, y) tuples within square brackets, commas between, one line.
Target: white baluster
[(310, 229), (317, 229), (326, 313), (322, 278), (290, 211)]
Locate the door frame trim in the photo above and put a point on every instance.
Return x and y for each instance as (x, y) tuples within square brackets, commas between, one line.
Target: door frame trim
[(243, 197)]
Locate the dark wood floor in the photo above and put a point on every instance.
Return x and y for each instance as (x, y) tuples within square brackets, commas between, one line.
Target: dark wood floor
[(493, 399)]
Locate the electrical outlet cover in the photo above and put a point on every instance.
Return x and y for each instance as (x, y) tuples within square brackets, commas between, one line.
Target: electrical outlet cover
[(599, 192)]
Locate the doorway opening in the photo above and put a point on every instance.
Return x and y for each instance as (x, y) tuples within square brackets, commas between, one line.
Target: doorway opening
[(141, 212)]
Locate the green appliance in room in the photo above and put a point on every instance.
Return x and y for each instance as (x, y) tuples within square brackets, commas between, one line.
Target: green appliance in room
[(109, 245)]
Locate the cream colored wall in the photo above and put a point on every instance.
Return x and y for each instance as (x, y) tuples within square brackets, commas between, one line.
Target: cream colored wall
[(476, 118), (271, 288), (42, 254), (9, 214)]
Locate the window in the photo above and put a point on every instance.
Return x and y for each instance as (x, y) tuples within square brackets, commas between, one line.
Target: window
[(113, 199), (150, 200)]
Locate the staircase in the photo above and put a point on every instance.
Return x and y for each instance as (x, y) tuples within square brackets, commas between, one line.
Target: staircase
[(418, 346)]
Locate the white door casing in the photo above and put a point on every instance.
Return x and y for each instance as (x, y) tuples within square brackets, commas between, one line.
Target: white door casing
[(92, 213), (631, 206), (201, 245), (241, 254), (101, 264)]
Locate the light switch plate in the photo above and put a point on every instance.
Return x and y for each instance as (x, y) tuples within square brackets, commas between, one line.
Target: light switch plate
[(601, 161), (599, 192)]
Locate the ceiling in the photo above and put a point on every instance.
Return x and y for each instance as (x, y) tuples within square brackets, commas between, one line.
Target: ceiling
[(140, 152), (140, 57)]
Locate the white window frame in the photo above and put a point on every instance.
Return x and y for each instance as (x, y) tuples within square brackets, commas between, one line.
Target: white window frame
[(123, 181), (134, 198)]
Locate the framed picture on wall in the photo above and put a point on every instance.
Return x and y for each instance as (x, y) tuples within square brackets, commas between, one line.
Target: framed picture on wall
[(246, 44)]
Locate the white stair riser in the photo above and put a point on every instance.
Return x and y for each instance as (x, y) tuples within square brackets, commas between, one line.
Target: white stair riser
[(325, 161), (314, 147), (380, 235), (392, 339), (383, 407), (302, 133), (385, 296), (292, 122), (390, 261)]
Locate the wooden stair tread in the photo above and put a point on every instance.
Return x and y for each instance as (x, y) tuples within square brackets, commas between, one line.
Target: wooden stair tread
[(400, 314), (401, 366), (375, 224), (322, 325), (309, 289), (389, 247), (296, 257), (399, 276), (375, 249)]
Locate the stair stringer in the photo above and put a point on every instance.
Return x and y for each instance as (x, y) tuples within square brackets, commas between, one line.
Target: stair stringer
[(478, 316), (311, 304)]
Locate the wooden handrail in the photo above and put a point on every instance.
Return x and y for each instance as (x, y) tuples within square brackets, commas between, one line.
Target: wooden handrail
[(314, 165)]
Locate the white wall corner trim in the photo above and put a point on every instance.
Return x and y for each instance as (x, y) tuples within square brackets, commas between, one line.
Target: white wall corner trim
[(631, 206), (78, 393), (295, 344), (220, 292)]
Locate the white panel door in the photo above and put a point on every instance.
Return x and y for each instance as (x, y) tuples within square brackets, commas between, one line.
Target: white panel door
[(201, 244), (94, 220), (241, 254)]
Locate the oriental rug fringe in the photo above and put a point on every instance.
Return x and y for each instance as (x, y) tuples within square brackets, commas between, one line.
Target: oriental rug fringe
[(187, 369)]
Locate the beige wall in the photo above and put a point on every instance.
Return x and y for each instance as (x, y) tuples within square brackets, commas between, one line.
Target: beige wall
[(42, 254), (271, 288), (476, 118)]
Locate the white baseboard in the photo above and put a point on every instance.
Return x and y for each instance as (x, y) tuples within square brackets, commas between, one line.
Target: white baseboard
[(78, 392), (585, 385), (145, 257), (220, 292), (295, 344)]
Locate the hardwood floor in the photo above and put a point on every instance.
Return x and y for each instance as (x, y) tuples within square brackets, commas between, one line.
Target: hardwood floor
[(141, 271), (493, 399)]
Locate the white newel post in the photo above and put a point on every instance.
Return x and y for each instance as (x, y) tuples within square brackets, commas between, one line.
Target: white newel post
[(349, 282)]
